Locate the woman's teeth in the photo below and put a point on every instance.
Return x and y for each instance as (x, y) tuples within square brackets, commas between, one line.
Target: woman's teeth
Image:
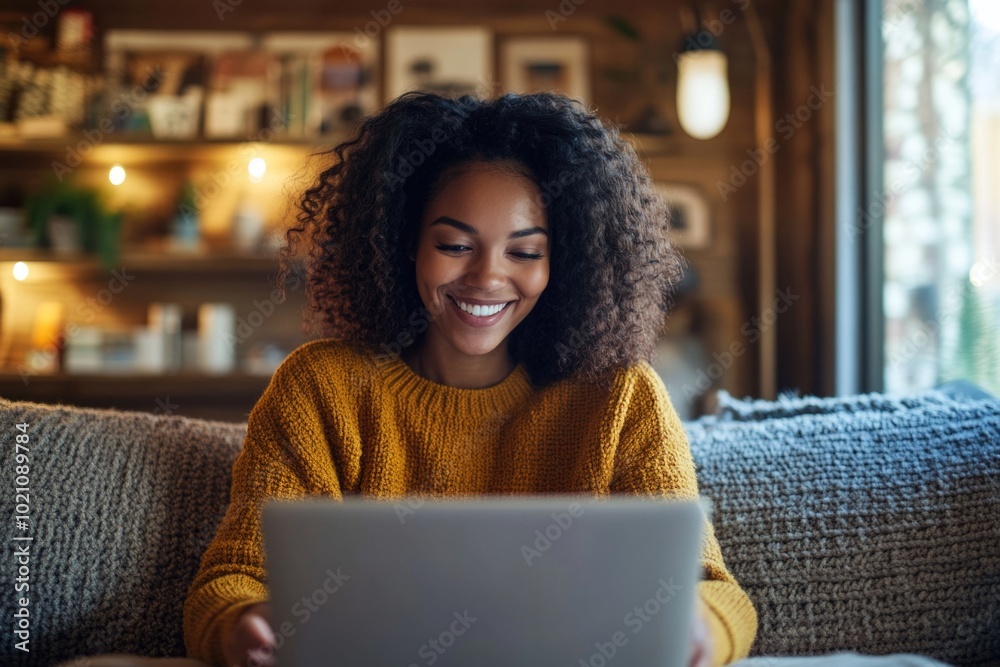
[(481, 311)]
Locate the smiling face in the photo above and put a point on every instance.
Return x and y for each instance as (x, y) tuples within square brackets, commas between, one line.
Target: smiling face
[(483, 240)]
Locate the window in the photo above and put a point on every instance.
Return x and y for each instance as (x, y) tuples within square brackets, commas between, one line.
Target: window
[(940, 202)]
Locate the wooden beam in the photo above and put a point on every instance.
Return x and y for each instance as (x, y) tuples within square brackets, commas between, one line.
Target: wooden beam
[(767, 266)]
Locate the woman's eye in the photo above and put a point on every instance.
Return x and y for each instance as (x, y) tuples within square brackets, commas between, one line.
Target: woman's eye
[(459, 248)]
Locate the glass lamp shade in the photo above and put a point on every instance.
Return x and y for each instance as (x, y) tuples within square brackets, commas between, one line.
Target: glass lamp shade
[(702, 92)]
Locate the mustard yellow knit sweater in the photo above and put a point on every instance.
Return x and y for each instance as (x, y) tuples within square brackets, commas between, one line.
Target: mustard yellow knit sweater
[(335, 420)]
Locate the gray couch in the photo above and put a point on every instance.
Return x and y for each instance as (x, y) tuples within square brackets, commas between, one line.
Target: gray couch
[(865, 525)]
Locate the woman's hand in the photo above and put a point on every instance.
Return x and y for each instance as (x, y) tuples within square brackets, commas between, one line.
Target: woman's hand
[(701, 638), (251, 641)]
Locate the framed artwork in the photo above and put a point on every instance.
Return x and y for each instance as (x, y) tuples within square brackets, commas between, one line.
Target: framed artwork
[(450, 61), (689, 214), (537, 64)]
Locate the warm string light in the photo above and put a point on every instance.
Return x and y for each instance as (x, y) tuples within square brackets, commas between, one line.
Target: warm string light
[(116, 174), (256, 168)]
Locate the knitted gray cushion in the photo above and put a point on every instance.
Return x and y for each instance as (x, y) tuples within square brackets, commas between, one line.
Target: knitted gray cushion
[(122, 506), (869, 523)]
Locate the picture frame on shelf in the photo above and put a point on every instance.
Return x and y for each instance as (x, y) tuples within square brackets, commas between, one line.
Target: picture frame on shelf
[(530, 64), (448, 60), (323, 82), (690, 215)]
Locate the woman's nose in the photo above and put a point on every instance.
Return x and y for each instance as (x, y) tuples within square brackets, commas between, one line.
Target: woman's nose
[(486, 272)]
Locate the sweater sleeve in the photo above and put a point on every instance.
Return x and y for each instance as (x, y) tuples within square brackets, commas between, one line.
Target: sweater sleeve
[(282, 457), (654, 458)]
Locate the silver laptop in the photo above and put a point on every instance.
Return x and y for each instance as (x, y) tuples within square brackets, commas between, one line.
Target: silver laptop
[(487, 581)]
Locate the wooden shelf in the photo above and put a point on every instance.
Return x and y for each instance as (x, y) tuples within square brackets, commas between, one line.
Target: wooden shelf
[(228, 397), (150, 260), (646, 143), (17, 143)]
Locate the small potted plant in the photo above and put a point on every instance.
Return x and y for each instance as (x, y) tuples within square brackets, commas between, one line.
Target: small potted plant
[(71, 220)]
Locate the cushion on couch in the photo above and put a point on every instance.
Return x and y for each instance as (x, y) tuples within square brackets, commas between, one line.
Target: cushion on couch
[(868, 523), (122, 506)]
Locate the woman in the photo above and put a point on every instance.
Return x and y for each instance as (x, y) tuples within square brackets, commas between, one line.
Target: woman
[(489, 278)]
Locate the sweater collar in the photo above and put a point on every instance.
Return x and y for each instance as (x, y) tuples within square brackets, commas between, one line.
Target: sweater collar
[(402, 381)]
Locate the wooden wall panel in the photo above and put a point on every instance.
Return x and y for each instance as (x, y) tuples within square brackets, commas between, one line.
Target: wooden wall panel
[(805, 187)]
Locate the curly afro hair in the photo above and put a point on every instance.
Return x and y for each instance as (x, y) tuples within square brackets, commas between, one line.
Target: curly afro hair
[(613, 268)]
